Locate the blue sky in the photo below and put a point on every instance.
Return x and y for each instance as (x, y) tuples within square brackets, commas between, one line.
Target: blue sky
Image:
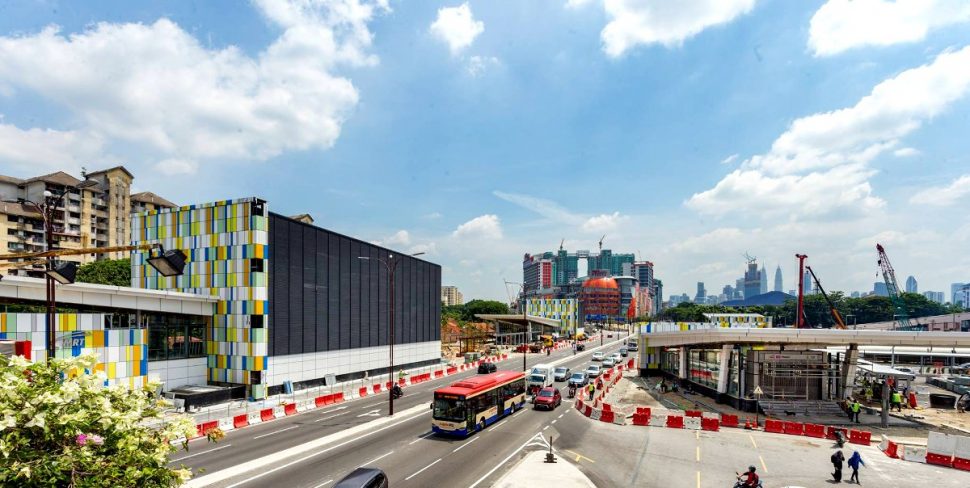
[(482, 130)]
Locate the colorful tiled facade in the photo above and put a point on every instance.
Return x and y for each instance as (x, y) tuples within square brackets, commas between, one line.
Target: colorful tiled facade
[(227, 245), (566, 310), (122, 353)]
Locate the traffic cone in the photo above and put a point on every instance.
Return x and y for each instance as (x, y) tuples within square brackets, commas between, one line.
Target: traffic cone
[(747, 424)]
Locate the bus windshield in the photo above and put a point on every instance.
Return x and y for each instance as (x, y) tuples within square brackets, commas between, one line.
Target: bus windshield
[(449, 409)]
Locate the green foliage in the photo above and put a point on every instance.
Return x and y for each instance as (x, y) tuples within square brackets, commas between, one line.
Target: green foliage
[(115, 272), (484, 307), (61, 426)]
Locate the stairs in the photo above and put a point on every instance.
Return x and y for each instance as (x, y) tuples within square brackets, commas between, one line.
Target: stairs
[(782, 409)]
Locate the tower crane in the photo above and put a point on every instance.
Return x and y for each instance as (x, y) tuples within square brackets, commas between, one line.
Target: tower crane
[(836, 316), (889, 276), (563, 241), (601, 242)]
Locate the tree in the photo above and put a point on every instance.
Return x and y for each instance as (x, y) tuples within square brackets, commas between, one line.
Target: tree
[(61, 426), (115, 272), (483, 307)]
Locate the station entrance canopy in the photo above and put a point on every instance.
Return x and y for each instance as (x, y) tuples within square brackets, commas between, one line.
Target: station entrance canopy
[(517, 328)]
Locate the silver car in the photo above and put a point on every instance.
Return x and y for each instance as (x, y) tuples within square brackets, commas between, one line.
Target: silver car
[(593, 371)]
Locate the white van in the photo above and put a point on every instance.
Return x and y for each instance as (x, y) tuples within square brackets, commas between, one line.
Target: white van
[(540, 377)]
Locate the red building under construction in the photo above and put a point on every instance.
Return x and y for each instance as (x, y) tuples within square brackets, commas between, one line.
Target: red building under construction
[(600, 296)]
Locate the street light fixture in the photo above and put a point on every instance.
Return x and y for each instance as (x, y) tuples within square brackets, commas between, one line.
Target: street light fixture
[(391, 264), (64, 272), (168, 263)]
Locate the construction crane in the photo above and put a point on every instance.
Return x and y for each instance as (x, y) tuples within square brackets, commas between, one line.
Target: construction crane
[(601, 242), (836, 316), (563, 241), (749, 258), (892, 288)]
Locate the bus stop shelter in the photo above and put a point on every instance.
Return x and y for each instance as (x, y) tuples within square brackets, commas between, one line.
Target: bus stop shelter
[(519, 328)]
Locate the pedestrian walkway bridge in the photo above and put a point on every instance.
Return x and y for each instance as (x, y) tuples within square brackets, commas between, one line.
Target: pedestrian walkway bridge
[(805, 337)]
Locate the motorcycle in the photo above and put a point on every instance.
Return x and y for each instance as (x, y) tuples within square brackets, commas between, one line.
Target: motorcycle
[(397, 392), (740, 483), (572, 391)]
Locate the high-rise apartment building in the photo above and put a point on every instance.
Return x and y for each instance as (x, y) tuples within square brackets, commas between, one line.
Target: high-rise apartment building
[(778, 282), (701, 296), (95, 212), (752, 281), (955, 297), (935, 296), (807, 283), (609, 262), (764, 280), (643, 272), (450, 296), (657, 295), (911, 285), (537, 274), (879, 288)]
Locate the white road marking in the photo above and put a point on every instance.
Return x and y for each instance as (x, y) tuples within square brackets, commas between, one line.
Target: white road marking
[(372, 413), (372, 461), (199, 453), (422, 469), (429, 434), (276, 432), (329, 417), (465, 444), (560, 415), (546, 427), (553, 421), (516, 451), (354, 434), (324, 483)]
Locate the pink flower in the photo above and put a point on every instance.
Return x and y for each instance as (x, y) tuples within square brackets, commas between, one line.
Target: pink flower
[(82, 439), (96, 439)]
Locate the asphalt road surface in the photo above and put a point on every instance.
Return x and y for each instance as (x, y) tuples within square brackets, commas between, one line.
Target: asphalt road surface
[(402, 446)]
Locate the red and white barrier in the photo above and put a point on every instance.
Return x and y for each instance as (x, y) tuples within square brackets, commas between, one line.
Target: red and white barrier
[(940, 448)]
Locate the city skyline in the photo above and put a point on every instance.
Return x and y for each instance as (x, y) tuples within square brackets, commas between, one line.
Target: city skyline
[(768, 151)]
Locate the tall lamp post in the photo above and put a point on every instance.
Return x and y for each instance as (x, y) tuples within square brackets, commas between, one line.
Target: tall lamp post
[(391, 264)]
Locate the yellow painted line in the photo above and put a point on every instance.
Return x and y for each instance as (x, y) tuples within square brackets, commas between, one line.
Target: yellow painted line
[(579, 456), (697, 434), (698, 453), (752, 441), (698, 479), (763, 467)]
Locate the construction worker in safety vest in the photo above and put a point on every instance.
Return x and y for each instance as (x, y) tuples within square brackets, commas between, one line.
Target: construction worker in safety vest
[(855, 407), (897, 401), (868, 394), (592, 389)]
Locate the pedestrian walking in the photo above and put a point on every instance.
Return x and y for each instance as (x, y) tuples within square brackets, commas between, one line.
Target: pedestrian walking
[(897, 401), (854, 462), (837, 459), (663, 385), (855, 408), (591, 389)]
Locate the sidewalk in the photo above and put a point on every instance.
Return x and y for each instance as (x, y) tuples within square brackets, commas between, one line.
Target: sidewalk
[(533, 471)]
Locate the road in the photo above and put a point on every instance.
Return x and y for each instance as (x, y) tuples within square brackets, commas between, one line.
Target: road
[(403, 446)]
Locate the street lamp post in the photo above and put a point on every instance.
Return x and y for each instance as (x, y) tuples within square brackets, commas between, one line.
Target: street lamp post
[(391, 264)]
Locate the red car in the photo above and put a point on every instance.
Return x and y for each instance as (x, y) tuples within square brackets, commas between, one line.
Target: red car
[(548, 397)]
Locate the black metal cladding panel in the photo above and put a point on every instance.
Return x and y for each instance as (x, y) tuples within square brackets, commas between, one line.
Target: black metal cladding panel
[(323, 298), (333, 293), (272, 299), (308, 261), (295, 280), (320, 301), (354, 305), (280, 307), (345, 342)]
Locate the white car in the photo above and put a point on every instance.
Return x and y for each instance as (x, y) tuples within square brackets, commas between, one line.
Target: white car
[(617, 357), (598, 356), (593, 371), (609, 362)]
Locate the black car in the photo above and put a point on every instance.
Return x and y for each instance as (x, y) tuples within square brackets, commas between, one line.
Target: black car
[(363, 478), (485, 368)]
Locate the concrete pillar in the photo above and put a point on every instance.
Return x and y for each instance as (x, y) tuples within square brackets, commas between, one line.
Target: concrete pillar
[(848, 370), (682, 370), (722, 375)]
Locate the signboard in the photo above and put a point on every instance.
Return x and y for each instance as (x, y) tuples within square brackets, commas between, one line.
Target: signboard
[(794, 357), (758, 391)]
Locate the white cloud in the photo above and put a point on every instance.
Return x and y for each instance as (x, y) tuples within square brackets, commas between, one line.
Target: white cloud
[(400, 238), (156, 87), (645, 22), (478, 65), (822, 162), (432, 216), (603, 222), (175, 166), (546, 208), (943, 195), (457, 27), (482, 227), (578, 3), (39, 150), (429, 249), (730, 159), (905, 152), (840, 25)]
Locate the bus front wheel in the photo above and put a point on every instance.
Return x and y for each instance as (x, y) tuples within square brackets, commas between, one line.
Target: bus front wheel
[(481, 425)]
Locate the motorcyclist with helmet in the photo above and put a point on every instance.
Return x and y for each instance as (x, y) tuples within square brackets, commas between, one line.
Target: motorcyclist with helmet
[(751, 479)]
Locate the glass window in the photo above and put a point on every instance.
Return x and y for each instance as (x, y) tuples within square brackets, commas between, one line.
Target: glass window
[(449, 409), (176, 343), (157, 339), (196, 341)]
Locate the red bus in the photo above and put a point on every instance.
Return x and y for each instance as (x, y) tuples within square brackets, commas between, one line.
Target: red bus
[(470, 404)]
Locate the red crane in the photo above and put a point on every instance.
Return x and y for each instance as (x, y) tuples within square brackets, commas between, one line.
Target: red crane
[(889, 276)]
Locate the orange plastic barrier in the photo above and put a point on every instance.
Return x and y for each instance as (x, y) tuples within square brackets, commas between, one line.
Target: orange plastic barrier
[(815, 430), (960, 463), (439, 374), (204, 427), (643, 411), (452, 370), (675, 421), (693, 413), (641, 419), (362, 392), (774, 426), (860, 437), (266, 414), (794, 428), (710, 424), (892, 449), (401, 382), (830, 432), (323, 400), (240, 421), (289, 409), (607, 408), (338, 397), (729, 420), (606, 416), (377, 389)]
